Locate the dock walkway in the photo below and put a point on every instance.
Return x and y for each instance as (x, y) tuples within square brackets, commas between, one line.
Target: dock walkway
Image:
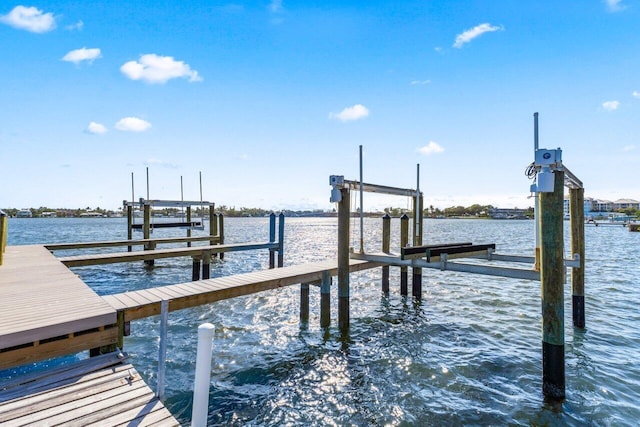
[(146, 302), (100, 391), (45, 305)]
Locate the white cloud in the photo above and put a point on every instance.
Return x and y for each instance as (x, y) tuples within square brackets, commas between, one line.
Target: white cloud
[(420, 82), (153, 68), (611, 105), (474, 32), (30, 19), (96, 128), (349, 114), (132, 124), (78, 55), (614, 5), (77, 26), (636, 94), (627, 148), (431, 148)]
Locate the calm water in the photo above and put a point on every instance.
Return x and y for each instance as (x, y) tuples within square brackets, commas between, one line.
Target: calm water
[(468, 354)]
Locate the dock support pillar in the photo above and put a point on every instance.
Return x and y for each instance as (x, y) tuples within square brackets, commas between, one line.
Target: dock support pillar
[(189, 226), (576, 209), (344, 215), (325, 300), (146, 231), (206, 265), (272, 239), (417, 241), (221, 231), (304, 303), (404, 241), (552, 281), (195, 271), (129, 225), (386, 240), (281, 239), (213, 226)]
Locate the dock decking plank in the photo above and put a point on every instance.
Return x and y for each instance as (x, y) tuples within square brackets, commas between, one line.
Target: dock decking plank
[(216, 289), (31, 278)]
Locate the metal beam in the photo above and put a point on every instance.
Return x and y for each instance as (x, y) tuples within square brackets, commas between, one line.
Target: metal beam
[(381, 189)]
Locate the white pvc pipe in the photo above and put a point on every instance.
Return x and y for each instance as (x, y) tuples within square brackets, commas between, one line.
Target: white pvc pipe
[(202, 380), (162, 348)]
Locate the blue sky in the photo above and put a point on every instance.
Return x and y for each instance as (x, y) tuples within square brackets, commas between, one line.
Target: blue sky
[(269, 98)]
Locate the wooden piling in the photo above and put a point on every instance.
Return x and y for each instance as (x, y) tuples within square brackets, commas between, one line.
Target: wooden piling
[(417, 241), (344, 214), (304, 303), (213, 229), (576, 214), (221, 231), (146, 231), (552, 281), (272, 239), (3, 234), (206, 265), (189, 226), (404, 241), (195, 271), (386, 243), (281, 239), (325, 300), (129, 225)]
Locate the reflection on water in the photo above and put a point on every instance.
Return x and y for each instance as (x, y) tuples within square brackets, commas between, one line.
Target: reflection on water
[(469, 353)]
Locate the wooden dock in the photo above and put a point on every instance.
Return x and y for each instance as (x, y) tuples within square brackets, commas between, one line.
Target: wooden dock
[(146, 302), (46, 310), (100, 391)]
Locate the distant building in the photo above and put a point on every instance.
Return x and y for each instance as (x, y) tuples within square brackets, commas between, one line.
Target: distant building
[(596, 206), (24, 213), (508, 213)]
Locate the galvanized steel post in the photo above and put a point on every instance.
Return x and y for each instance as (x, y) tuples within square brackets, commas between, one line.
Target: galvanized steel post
[(272, 239), (417, 241), (221, 231), (281, 239)]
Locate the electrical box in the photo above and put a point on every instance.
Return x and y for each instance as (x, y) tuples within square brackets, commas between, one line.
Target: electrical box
[(544, 157), (336, 180)]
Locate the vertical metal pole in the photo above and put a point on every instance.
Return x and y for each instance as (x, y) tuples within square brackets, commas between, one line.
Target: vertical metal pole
[(281, 239), (146, 231), (162, 349), (200, 411), (386, 243), (552, 281), (536, 206), (404, 241), (272, 239), (148, 183), (325, 300), (576, 212), (344, 215), (304, 303), (361, 207)]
